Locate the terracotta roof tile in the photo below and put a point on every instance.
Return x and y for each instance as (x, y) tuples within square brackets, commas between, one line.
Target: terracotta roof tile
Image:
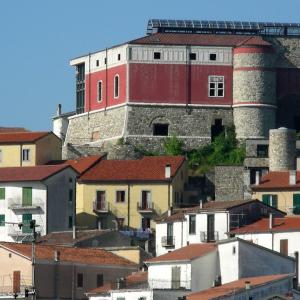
[(150, 168), (235, 287), (35, 173), (279, 224), (186, 253), (199, 39), (12, 129), (80, 255), (132, 281), (277, 180), (81, 164), (21, 137)]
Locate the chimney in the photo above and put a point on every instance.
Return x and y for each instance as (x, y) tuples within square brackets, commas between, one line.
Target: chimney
[(170, 211), (271, 220), (257, 178), (56, 255), (292, 177), (58, 110), (201, 204), (247, 285), (168, 171)]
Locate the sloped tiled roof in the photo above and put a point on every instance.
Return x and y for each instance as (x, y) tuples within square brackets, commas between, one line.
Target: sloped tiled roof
[(132, 281), (150, 168), (199, 40), (12, 129), (279, 225), (21, 137), (186, 253), (81, 164), (34, 173), (235, 287), (277, 180), (91, 256)]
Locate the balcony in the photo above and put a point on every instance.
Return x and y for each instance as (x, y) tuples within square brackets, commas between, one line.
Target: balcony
[(17, 204), (101, 207), (15, 231), (145, 207), (168, 241), (207, 237), (169, 284)]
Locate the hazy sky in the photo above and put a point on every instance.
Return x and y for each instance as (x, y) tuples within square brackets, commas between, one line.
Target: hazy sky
[(39, 37)]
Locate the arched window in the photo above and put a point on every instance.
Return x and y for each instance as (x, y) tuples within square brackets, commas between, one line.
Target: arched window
[(116, 86), (99, 91)]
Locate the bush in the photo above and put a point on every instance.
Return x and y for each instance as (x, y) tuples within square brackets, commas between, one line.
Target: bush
[(173, 146)]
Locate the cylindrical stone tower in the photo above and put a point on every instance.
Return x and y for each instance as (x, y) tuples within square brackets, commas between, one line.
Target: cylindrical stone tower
[(254, 90), (282, 149)]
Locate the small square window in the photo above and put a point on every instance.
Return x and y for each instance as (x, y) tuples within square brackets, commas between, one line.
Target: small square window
[(192, 56), (216, 86), (97, 63), (119, 56), (70, 179), (262, 151), (161, 129), (156, 55), (79, 280), (120, 196), (212, 56)]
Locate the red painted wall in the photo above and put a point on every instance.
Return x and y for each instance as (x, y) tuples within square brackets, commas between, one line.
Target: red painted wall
[(176, 83), (288, 82), (91, 87)]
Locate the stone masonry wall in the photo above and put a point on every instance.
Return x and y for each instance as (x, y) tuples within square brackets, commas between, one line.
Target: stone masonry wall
[(229, 183)]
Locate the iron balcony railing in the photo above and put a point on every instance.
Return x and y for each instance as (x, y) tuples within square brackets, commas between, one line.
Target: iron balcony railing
[(206, 237), (145, 207), (168, 241), (101, 206), (18, 204)]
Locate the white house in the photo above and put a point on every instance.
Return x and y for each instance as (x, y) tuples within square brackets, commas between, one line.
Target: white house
[(208, 222), (43, 193), (198, 267), (278, 234)]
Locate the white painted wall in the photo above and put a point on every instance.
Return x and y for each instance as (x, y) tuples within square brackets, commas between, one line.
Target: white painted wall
[(132, 294)]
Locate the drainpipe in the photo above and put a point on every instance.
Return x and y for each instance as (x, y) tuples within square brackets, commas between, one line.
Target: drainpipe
[(128, 205), (89, 99), (106, 72), (74, 209)]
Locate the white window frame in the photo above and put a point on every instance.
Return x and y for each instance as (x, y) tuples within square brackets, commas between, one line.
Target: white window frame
[(27, 156), (99, 97), (216, 88), (117, 96)]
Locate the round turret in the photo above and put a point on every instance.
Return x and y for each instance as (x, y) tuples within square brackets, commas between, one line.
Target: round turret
[(282, 149), (254, 90)]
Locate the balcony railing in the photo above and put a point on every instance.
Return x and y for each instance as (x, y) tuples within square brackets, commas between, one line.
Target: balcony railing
[(147, 207), (168, 241), (15, 231), (206, 237), (101, 206), (17, 204), (169, 284)]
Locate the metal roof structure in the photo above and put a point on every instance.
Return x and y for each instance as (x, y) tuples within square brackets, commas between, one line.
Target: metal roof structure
[(222, 27)]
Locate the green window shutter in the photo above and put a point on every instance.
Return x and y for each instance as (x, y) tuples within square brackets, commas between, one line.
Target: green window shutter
[(296, 204), (26, 218), (2, 220), (2, 193), (266, 199), (27, 196), (274, 201)]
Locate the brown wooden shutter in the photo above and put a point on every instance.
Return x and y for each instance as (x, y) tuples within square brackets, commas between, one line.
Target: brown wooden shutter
[(16, 281), (284, 247)]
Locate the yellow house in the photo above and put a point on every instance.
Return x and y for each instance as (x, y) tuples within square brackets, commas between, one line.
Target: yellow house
[(280, 190), (20, 149), (131, 193)]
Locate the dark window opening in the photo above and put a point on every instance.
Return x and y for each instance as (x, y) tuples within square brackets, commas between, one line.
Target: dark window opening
[(120, 196), (212, 56), (80, 88), (79, 280), (97, 63), (70, 195), (105, 60), (192, 56), (161, 129), (99, 280), (70, 222), (192, 224), (146, 223), (217, 128), (119, 56), (262, 151), (116, 86), (297, 123), (156, 55)]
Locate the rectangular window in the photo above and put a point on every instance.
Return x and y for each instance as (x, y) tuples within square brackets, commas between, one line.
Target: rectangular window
[(27, 196), (80, 88), (216, 86), (26, 154), (156, 55), (1, 155), (192, 56), (284, 247), (192, 224), (2, 220), (119, 56), (262, 151), (120, 196), (212, 56), (97, 63), (79, 280), (161, 129), (99, 280), (105, 60), (270, 200), (146, 199), (70, 225), (2, 193), (26, 219), (116, 86), (146, 223), (296, 204), (100, 200), (99, 92), (70, 195)]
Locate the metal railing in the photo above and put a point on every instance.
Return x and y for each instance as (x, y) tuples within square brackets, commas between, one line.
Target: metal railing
[(101, 206), (18, 204), (206, 237), (168, 241), (169, 284), (145, 207)]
